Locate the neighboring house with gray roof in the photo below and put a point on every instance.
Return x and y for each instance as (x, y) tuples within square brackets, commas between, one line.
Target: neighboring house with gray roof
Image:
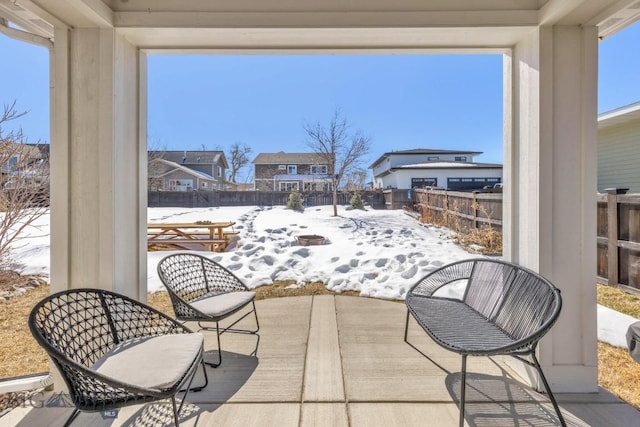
[(421, 167), (187, 170), (619, 148), (291, 171), (24, 165)]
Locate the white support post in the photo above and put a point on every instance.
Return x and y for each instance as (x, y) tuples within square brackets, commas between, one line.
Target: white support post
[(550, 194), (95, 163)]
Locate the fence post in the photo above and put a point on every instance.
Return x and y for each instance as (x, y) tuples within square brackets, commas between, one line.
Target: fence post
[(612, 234), (474, 206)]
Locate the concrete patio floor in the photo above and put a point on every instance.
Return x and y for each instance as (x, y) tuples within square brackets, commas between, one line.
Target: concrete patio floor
[(341, 361)]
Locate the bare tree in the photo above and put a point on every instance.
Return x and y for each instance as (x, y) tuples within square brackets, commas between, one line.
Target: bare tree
[(155, 168), (24, 184), (355, 180), (238, 158), (343, 150)]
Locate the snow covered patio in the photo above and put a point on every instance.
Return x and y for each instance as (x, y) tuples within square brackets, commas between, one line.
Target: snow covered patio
[(342, 361)]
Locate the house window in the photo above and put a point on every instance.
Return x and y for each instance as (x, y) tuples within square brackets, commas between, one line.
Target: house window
[(219, 171), (432, 158), (460, 158), (282, 167), (180, 184), (424, 182), (465, 184), (316, 186), (11, 164), (288, 186), (203, 185), (318, 169), (292, 169)]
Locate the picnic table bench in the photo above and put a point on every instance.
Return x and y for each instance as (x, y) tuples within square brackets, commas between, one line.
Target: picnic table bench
[(491, 308), (209, 236)]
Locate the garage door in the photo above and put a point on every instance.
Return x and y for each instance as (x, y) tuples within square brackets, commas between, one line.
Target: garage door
[(461, 184)]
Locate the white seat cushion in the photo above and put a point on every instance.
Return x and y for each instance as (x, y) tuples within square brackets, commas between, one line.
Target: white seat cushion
[(219, 305), (155, 363)]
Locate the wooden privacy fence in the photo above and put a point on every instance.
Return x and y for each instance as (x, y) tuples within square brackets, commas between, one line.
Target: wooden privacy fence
[(619, 239), (618, 226), (468, 209), (203, 199)]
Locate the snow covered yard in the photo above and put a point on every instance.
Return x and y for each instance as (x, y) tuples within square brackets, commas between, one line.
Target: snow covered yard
[(377, 252)]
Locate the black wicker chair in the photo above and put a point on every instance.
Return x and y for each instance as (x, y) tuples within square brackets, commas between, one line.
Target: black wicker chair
[(202, 291), (113, 351), (500, 309)]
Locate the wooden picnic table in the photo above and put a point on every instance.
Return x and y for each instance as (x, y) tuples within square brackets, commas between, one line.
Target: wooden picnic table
[(210, 236)]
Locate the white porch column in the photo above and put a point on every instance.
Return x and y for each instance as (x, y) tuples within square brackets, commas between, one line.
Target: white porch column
[(550, 187), (98, 153)]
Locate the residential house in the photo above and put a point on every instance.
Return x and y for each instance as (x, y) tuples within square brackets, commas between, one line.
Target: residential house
[(187, 170), (292, 171), (24, 164), (619, 148), (419, 168)]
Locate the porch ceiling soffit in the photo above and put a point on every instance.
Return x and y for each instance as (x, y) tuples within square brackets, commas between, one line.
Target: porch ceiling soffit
[(313, 24), (328, 29)]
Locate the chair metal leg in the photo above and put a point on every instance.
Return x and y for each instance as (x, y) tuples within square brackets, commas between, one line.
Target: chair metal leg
[(463, 383), (255, 315), (206, 380), (215, 365), (406, 327), (187, 389), (546, 386), (72, 417), (175, 411), (220, 331)]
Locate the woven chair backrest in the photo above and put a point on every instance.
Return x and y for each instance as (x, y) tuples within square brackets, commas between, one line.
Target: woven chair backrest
[(82, 325), (192, 276), (77, 325), (517, 300)]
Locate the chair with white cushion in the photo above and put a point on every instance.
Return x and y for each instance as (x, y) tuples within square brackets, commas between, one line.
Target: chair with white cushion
[(203, 291), (113, 351)]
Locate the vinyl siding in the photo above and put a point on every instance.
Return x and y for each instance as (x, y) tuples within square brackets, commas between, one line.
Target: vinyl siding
[(619, 157), (395, 160)]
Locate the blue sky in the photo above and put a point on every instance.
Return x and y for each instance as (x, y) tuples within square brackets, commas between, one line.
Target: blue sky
[(399, 101)]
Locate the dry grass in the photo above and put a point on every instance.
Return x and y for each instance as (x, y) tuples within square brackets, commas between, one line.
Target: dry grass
[(19, 352), (619, 300), (619, 373), (285, 288), (486, 237), (20, 355)]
